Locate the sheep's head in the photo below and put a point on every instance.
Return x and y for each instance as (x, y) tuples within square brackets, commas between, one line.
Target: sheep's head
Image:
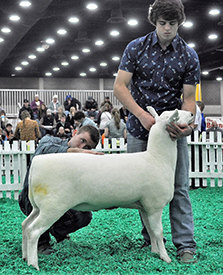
[(176, 116)]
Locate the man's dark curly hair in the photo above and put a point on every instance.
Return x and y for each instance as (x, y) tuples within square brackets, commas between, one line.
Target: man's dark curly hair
[(168, 10)]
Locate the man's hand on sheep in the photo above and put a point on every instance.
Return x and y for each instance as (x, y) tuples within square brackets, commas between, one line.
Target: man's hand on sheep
[(177, 131), (147, 120)]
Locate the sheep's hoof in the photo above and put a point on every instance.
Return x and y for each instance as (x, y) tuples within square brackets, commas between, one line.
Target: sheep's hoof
[(166, 259)]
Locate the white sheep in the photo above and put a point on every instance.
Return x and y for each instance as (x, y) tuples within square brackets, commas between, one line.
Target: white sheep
[(143, 181)]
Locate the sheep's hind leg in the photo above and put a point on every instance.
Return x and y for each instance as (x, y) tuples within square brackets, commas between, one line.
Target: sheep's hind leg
[(32, 216), (153, 223)]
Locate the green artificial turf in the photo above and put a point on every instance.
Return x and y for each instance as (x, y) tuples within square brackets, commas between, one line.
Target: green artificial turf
[(111, 243)]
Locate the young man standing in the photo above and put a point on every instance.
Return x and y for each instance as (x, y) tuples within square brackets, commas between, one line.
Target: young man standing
[(163, 71), (82, 141)]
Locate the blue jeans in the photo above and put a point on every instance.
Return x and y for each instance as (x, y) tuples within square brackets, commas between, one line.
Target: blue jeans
[(181, 216)]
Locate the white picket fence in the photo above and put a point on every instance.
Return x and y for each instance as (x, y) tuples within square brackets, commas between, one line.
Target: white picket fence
[(14, 162)]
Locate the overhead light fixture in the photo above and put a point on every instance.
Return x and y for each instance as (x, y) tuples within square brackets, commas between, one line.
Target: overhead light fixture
[(25, 3), (192, 45), (116, 16), (103, 64), (82, 37), (114, 33), (65, 63), (61, 31), (92, 6), (1, 39), (14, 18), (219, 78), (50, 41), (25, 63), (115, 58), (74, 57), (5, 30), (40, 49), (56, 69), (99, 42), (32, 56), (132, 22), (83, 74), (205, 72), (86, 50), (188, 24), (73, 20), (18, 68), (214, 12), (48, 74), (213, 36), (92, 69)]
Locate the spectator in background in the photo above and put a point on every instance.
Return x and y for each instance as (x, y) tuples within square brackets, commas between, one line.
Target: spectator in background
[(35, 105), (90, 108), (203, 122), (81, 120), (107, 101), (8, 133), (42, 111), (197, 120), (27, 129), (48, 124), (115, 128), (26, 107), (103, 116), (3, 119), (214, 128), (59, 114), (61, 133), (66, 125), (2, 137), (54, 104), (71, 102), (124, 114), (70, 118)]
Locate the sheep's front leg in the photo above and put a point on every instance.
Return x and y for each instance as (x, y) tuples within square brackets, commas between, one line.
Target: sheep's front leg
[(153, 223)]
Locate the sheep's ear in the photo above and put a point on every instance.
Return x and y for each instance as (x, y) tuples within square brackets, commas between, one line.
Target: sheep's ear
[(152, 111), (174, 117)]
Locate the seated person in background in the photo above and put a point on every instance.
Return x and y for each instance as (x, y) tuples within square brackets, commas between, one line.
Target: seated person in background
[(103, 116), (59, 114), (27, 108), (61, 133), (115, 128), (54, 104), (3, 119), (71, 102), (42, 111), (107, 101), (2, 137), (124, 114), (64, 124), (90, 108), (70, 118), (48, 124), (8, 133), (81, 120), (27, 129), (201, 105), (35, 105), (82, 141), (214, 128)]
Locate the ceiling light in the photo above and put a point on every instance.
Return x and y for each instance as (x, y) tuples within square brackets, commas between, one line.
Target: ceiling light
[(73, 20), (40, 49), (18, 68), (50, 40), (5, 30), (115, 74), (103, 64), (214, 12), (48, 74), (219, 78), (32, 56), (115, 58), (192, 45), (86, 50), (114, 33), (212, 36), (25, 3), (205, 72), (62, 31), (188, 24), (14, 18), (99, 42), (133, 22), (25, 63), (56, 69), (74, 57), (83, 74), (92, 69), (1, 39), (92, 6), (65, 63)]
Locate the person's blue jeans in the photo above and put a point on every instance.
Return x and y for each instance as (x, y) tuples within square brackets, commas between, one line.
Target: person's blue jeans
[(181, 216)]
